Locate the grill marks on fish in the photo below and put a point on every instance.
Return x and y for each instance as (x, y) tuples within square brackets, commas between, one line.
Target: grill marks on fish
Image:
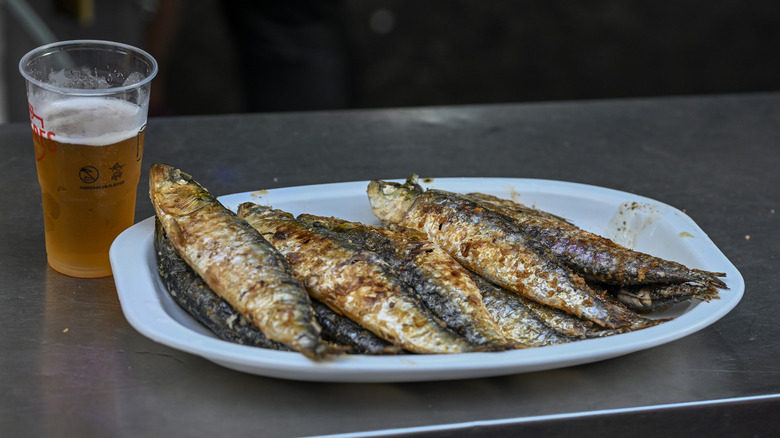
[(492, 245), (235, 261), (442, 283), (355, 282)]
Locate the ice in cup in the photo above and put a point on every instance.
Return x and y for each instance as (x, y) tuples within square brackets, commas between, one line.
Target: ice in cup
[(88, 104)]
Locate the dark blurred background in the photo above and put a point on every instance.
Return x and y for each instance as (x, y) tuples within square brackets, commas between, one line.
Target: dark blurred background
[(239, 55)]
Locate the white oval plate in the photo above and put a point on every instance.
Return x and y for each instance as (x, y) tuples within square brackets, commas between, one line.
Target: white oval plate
[(639, 222)]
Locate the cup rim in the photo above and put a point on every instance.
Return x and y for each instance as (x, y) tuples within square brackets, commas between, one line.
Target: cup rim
[(24, 61)]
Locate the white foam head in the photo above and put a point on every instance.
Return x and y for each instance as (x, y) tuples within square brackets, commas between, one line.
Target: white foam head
[(94, 121)]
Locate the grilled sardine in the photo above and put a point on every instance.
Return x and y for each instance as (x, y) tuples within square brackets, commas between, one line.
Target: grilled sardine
[(192, 294), (355, 282), (235, 261), (492, 245), (594, 257), (440, 281)]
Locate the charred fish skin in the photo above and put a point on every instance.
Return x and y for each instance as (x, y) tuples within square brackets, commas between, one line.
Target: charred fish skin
[(511, 312), (595, 257), (235, 261), (191, 293), (440, 281), (490, 244), (343, 331), (355, 282), (570, 325), (512, 205), (567, 327)]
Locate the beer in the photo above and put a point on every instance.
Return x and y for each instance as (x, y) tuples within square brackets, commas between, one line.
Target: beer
[(88, 152)]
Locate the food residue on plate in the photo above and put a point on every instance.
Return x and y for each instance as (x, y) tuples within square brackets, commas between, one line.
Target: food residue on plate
[(629, 221), (259, 193)]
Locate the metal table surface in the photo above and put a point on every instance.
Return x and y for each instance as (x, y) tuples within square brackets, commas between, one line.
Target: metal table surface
[(71, 365)]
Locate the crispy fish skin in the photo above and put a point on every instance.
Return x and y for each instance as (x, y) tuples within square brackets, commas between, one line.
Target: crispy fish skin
[(567, 326), (354, 282), (595, 257), (519, 323), (235, 261), (491, 244), (194, 295), (343, 331), (442, 283), (570, 325), (507, 203)]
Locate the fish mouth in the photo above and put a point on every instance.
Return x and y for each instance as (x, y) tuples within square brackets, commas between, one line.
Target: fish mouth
[(176, 192)]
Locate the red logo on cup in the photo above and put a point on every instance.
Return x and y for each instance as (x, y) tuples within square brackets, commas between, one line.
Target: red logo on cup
[(41, 138)]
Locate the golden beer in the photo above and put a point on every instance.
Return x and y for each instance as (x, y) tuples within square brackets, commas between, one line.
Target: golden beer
[(88, 153)]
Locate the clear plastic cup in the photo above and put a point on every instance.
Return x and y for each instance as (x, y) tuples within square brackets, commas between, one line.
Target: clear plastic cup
[(88, 104)]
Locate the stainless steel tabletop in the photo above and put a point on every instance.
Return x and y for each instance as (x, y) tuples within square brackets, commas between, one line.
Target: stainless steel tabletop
[(71, 364)]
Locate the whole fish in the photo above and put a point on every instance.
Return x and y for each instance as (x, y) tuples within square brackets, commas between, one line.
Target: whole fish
[(595, 257), (492, 245), (355, 282), (191, 293), (235, 261), (441, 282)]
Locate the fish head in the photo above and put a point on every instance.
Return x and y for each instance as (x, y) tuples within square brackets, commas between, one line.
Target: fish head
[(262, 217), (390, 200), (175, 193)]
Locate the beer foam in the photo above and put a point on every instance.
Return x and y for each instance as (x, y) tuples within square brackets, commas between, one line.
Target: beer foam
[(91, 121)]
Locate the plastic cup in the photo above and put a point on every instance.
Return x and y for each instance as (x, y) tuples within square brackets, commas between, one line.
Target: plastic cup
[(88, 104)]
